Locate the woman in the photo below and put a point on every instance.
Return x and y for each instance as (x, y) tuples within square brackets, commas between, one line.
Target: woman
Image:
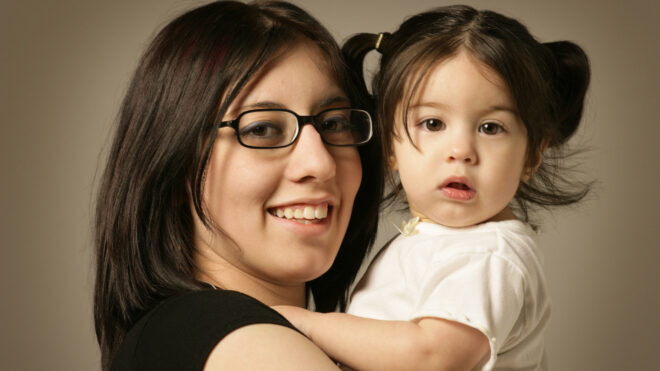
[(217, 193)]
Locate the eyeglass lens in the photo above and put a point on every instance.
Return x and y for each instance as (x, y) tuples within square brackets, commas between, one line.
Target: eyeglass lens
[(273, 128)]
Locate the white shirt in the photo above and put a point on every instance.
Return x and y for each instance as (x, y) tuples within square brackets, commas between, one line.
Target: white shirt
[(489, 277)]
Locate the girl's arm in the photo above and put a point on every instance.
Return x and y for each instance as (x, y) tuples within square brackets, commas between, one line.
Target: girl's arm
[(369, 344)]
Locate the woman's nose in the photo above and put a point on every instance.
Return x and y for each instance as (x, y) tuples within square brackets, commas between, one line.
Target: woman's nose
[(310, 159)]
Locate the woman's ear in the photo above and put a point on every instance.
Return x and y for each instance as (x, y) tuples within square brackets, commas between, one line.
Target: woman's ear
[(528, 171)]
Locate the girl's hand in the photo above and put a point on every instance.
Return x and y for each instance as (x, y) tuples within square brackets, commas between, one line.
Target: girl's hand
[(300, 318)]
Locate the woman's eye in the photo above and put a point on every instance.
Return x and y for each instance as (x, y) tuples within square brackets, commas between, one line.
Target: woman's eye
[(335, 124), (261, 130), (433, 125), (490, 128)]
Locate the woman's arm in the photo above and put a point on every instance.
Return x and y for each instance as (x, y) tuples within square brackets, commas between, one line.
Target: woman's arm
[(368, 344), (267, 347)]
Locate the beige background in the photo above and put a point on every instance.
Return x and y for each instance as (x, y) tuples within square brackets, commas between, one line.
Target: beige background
[(64, 66)]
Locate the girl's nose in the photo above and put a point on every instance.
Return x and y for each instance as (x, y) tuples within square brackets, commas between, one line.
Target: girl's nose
[(310, 159), (461, 148)]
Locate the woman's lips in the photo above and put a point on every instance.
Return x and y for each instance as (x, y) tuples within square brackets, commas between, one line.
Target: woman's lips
[(301, 213), (303, 219)]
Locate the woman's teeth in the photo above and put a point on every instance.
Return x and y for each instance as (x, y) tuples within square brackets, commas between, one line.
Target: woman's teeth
[(306, 213)]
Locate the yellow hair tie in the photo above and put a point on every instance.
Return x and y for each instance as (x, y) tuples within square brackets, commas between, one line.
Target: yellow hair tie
[(380, 38)]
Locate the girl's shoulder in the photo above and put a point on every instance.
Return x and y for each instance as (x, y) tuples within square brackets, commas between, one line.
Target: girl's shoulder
[(511, 240), (489, 233)]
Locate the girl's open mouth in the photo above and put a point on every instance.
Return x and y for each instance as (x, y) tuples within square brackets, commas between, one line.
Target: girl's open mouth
[(457, 185), (459, 191)]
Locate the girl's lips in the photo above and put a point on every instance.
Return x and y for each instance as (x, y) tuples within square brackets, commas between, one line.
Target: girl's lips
[(458, 193), (458, 189)]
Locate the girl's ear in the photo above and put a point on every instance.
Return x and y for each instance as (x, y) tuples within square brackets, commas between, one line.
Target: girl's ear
[(528, 171), (391, 159), (394, 166)]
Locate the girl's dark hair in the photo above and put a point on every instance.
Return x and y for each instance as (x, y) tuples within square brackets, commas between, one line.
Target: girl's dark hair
[(189, 75), (548, 82)]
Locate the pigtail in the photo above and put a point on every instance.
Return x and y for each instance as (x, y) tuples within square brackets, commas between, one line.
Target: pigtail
[(355, 50), (572, 75), (554, 182)]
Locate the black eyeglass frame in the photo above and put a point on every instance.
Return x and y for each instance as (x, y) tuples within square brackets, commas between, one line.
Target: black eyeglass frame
[(302, 121)]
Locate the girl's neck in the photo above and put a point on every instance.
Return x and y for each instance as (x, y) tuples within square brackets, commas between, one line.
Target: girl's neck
[(504, 215)]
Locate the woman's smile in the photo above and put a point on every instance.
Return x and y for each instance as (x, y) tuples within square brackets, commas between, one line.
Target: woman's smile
[(301, 213), (304, 221)]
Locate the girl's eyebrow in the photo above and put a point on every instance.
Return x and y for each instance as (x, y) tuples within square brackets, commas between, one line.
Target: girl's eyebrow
[(503, 107), (493, 108), (432, 104)]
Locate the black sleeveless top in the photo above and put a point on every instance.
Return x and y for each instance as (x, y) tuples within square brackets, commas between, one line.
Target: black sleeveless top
[(181, 332)]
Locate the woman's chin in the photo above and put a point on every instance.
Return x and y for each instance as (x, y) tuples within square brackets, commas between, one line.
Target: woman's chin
[(304, 271)]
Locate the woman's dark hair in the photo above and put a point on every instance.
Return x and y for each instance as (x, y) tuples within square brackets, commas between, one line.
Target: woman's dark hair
[(188, 77), (548, 82)]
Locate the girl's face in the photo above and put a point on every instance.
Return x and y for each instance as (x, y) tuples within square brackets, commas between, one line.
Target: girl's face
[(246, 189), (471, 145)]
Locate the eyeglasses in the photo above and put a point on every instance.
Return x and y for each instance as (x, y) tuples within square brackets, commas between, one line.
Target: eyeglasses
[(277, 128)]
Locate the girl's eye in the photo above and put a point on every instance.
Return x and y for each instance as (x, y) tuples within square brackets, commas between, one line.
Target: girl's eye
[(433, 125), (490, 128)]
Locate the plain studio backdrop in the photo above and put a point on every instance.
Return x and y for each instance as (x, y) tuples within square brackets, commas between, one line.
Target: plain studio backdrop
[(65, 65)]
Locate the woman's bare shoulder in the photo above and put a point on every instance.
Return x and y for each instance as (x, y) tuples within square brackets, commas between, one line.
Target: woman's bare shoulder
[(267, 347)]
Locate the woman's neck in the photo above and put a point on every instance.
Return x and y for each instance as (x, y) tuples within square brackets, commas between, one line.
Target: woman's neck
[(221, 274)]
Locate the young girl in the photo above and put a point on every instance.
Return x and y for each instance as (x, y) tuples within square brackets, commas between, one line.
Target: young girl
[(470, 102)]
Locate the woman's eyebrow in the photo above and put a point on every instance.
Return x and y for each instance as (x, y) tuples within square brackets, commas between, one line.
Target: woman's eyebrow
[(330, 101), (334, 100), (258, 105), (270, 104), (233, 113)]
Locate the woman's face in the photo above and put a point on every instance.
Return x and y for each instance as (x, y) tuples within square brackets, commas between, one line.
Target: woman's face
[(246, 189)]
